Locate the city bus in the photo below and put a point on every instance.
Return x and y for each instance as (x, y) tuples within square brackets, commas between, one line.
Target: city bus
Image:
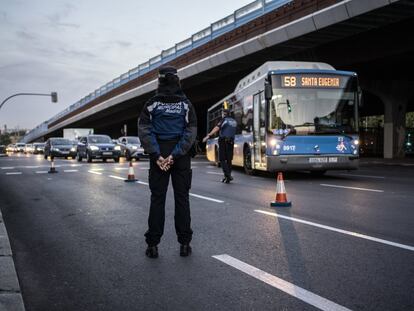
[(292, 116)]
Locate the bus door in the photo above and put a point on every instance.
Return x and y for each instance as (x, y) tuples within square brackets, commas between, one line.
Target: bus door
[(259, 131)]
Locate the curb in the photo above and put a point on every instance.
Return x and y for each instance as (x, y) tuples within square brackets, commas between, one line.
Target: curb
[(10, 294)]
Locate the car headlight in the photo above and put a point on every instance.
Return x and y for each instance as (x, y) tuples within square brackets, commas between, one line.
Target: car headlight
[(117, 148), (55, 149), (94, 148), (356, 142), (73, 149), (134, 147)]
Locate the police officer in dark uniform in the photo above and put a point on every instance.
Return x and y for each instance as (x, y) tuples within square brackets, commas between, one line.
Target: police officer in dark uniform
[(227, 130), (167, 129)]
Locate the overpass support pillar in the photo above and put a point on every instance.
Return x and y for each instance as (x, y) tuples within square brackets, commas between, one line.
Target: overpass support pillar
[(394, 126), (395, 95)]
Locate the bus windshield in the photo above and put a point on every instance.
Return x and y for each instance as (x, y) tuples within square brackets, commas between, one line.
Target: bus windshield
[(313, 107)]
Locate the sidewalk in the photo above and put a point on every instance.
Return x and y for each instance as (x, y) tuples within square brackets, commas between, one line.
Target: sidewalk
[(10, 295)]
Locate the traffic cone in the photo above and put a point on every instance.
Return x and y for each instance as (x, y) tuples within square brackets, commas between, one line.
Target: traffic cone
[(281, 198), (131, 174), (52, 167)]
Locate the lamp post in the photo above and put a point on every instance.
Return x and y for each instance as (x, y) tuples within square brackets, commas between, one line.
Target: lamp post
[(53, 96)]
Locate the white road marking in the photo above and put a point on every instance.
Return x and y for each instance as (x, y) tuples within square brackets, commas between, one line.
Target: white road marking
[(286, 287), (191, 194), (351, 233), (14, 173), (205, 198), (97, 169), (121, 168), (7, 168), (215, 173), (31, 166), (41, 172), (116, 177), (142, 183), (367, 176), (70, 171), (143, 168), (352, 188), (93, 172), (75, 165)]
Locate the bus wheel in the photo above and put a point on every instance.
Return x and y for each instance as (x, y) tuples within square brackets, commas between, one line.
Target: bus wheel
[(247, 161)]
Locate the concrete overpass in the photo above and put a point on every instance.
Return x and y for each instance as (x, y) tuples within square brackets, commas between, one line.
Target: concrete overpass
[(371, 37)]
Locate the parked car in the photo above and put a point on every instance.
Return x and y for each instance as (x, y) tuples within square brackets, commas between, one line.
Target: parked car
[(20, 147), (28, 148), (131, 148), (97, 147), (58, 147), (39, 148)]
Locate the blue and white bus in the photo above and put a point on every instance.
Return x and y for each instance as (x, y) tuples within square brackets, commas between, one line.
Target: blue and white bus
[(292, 116)]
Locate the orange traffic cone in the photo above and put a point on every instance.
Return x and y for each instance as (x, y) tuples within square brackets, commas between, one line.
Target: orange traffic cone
[(131, 174), (52, 169), (281, 198)]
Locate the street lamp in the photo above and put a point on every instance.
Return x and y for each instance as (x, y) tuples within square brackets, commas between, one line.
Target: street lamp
[(53, 96)]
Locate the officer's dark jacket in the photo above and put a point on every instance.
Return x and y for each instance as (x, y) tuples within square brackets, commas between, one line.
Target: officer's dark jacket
[(168, 117), (227, 127)]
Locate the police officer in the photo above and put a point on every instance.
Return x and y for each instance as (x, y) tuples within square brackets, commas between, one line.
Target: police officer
[(167, 129), (227, 130)]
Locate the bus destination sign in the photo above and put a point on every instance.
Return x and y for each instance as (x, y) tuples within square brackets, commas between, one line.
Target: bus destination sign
[(313, 81)]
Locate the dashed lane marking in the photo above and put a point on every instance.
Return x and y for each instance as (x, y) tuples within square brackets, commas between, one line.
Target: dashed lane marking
[(352, 188), (116, 177), (205, 198), (351, 233), (142, 183), (366, 176), (41, 172), (96, 173), (70, 171), (7, 168), (285, 286), (121, 168), (13, 173), (214, 173)]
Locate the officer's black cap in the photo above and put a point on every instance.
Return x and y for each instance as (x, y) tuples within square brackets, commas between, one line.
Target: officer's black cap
[(167, 70)]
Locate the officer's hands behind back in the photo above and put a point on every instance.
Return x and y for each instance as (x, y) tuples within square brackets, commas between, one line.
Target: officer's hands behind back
[(165, 164)]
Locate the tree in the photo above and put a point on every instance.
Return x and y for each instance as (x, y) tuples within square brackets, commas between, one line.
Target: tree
[(5, 139)]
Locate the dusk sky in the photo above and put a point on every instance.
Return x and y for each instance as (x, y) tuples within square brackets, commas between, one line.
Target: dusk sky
[(75, 47)]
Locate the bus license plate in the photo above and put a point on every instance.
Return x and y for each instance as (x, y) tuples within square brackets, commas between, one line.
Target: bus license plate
[(318, 160), (333, 160), (107, 153)]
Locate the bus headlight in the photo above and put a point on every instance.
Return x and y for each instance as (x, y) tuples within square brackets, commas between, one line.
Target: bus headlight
[(356, 142), (273, 142)]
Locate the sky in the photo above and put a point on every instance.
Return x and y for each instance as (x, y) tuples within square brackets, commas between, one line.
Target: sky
[(74, 47)]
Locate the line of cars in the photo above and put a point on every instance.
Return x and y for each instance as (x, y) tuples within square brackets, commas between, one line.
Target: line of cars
[(35, 148), (93, 147)]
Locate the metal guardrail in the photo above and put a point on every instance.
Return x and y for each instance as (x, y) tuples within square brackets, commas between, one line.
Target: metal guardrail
[(218, 28)]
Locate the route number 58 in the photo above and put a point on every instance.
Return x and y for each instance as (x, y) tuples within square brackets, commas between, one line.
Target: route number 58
[(289, 81)]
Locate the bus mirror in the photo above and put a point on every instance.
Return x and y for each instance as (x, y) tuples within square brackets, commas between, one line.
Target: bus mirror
[(268, 91), (360, 101)]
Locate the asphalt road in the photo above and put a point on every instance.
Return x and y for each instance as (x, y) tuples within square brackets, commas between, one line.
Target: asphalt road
[(347, 242)]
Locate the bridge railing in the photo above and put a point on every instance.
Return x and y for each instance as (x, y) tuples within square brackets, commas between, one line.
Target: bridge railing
[(218, 28)]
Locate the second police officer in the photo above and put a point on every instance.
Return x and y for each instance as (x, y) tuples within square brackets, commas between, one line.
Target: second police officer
[(167, 129), (227, 130)]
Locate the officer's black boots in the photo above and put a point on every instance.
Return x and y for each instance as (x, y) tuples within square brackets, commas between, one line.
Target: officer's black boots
[(185, 250), (152, 252), (227, 179)]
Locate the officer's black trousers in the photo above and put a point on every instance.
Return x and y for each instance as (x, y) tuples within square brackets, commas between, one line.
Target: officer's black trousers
[(226, 155), (158, 181)]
